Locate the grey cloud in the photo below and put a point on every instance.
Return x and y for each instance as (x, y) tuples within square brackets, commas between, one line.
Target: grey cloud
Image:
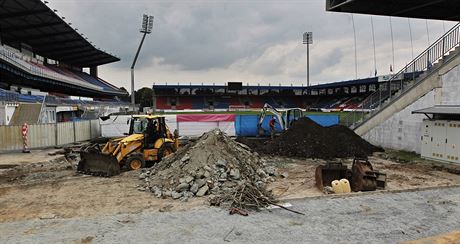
[(193, 37)]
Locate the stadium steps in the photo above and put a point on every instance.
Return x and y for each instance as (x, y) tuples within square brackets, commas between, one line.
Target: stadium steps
[(26, 113), (411, 92)]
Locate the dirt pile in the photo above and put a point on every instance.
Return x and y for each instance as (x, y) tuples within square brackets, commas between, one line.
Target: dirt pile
[(213, 165), (305, 138)]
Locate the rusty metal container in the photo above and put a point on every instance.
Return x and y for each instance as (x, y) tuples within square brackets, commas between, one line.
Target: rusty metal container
[(325, 174), (363, 176)]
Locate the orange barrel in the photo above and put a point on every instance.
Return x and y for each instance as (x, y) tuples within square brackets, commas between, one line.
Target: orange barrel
[(345, 186), (336, 186)]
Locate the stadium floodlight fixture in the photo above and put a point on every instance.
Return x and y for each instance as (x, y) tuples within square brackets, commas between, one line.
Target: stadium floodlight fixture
[(308, 38), (147, 24)]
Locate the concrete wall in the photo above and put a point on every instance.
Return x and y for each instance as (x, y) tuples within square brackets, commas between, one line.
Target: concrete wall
[(48, 135), (403, 130)]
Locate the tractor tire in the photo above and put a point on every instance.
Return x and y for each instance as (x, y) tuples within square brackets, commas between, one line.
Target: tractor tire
[(135, 161), (165, 149)]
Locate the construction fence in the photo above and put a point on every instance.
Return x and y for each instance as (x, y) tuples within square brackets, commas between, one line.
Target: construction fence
[(197, 124), (48, 135)]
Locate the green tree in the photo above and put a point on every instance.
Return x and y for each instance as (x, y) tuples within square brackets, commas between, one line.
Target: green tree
[(144, 97), (125, 98)]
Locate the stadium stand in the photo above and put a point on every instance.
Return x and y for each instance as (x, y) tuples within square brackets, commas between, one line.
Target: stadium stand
[(48, 55), (42, 62), (336, 96)]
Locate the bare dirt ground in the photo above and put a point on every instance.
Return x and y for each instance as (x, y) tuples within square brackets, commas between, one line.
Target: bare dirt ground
[(40, 186), (53, 189), (9, 160), (300, 182)]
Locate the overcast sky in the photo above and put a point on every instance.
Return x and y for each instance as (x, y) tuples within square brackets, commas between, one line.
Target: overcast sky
[(251, 41)]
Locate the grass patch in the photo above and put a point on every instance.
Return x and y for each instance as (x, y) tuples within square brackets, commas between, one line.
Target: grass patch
[(403, 156)]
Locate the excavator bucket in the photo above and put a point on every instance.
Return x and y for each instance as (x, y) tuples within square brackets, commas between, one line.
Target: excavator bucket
[(329, 172), (364, 178), (94, 162)]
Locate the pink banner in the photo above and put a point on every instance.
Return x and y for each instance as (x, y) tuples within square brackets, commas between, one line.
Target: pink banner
[(205, 117)]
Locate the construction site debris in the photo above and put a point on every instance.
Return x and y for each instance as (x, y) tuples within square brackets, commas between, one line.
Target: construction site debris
[(307, 139), (364, 177), (213, 165), (334, 177)]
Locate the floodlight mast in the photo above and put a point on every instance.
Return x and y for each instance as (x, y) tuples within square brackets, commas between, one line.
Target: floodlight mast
[(308, 40), (147, 25)]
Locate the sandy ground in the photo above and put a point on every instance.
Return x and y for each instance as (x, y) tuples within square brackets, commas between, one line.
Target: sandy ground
[(52, 189), (8, 160), (62, 193), (300, 182)]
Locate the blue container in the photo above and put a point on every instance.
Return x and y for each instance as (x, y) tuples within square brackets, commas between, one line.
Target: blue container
[(246, 125)]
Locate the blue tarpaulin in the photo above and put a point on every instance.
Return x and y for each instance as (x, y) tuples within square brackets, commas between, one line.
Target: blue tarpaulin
[(325, 120), (246, 125)]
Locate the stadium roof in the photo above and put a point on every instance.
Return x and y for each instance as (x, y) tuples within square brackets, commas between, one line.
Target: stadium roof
[(32, 22), (357, 82), (364, 81), (424, 9)]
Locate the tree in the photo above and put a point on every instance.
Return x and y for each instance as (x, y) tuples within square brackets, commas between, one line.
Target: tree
[(125, 98), (144, 97)]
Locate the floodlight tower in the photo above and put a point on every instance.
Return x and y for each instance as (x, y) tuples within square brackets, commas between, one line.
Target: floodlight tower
[(307, 40), (147, 25)]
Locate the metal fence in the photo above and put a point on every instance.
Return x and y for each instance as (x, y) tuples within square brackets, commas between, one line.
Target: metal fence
[(394, 88), (48, 135)]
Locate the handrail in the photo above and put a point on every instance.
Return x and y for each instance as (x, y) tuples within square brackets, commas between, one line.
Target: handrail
[(398, 84)]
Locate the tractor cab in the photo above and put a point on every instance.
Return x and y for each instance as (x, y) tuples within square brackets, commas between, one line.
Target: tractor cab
[(152, 127)]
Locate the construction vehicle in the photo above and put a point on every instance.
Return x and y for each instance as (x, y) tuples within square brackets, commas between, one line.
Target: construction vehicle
[(148, 140), (284, 118)]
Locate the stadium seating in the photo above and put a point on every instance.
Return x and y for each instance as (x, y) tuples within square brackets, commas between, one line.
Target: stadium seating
[(35, 67), (256, 102), (198, 103), (184, 103), (317, 103), (162, 103)]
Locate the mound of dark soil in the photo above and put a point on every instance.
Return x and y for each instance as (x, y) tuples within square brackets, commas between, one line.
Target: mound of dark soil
[(307, 139)]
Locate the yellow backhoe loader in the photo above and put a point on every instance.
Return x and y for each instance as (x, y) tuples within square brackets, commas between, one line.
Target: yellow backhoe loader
[(148, 140)]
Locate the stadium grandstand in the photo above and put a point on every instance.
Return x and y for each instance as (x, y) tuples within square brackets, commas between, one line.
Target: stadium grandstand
[(42, 62), (336, 96)]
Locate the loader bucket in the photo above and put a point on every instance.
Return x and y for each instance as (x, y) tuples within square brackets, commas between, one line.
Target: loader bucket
[(364, 177), (99, 164), (329, 172)]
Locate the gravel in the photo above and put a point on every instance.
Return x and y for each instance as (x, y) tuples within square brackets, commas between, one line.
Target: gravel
[(214, 165), (373, 218)]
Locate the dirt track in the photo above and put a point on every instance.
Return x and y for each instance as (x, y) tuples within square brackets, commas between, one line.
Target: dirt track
[(53, 190)]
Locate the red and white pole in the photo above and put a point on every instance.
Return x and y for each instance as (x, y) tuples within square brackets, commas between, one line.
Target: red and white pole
[(25, 131)]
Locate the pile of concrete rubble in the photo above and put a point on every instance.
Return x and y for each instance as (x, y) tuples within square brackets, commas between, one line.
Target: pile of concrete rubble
[(213, 165)]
